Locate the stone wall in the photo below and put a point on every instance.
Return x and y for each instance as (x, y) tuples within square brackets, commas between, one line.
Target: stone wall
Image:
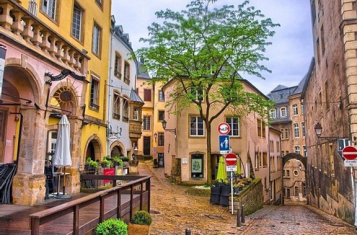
[(251, 198)]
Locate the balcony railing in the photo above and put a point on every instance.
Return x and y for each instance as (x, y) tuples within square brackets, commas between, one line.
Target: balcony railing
[(18, 23)]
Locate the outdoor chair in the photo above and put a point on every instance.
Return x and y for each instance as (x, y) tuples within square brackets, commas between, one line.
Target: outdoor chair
[(6, 183), (224, 195), (215, 193)]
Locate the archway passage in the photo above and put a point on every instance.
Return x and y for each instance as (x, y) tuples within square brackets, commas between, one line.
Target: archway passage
[(116, 151), (93, 150), (294, 179)]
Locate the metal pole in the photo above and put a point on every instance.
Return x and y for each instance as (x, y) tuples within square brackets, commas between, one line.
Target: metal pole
[(243, 217), (239, 224), (232, 190), (187, 231)]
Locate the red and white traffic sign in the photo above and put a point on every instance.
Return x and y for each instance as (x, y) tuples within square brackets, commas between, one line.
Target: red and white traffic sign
[(224, 128), (349, 153), (231, 159)]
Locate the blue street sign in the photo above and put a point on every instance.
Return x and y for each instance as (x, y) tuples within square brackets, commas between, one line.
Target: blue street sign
[(224, 144)]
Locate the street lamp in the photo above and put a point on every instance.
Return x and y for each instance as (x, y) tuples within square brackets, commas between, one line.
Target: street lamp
[(318, 132), (155, 136), (169, 130)]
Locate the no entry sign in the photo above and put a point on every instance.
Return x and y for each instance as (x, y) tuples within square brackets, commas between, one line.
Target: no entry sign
[(231, 159), (349, 153)]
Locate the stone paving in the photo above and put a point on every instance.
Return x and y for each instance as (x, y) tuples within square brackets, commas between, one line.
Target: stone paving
[(174, 211)]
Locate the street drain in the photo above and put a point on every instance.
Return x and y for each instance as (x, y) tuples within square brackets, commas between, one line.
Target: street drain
[(155, 212), (214, 217)]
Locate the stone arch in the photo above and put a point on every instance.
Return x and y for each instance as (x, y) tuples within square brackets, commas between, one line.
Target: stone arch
[(68, 91), (33, 77), (117, 144), (93, 149), (296, 156)]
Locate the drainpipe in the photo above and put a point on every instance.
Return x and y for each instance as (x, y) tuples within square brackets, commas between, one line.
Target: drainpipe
[(269, 176), (109, 86), (18, 140)]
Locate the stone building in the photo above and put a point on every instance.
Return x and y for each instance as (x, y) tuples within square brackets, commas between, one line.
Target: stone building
[(51, 69), (288, 117), (329, 100)]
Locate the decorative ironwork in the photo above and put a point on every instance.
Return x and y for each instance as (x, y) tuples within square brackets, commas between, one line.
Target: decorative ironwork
[(64, 73)]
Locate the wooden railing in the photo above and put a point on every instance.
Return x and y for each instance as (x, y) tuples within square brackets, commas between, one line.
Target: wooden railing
[(46, 216)]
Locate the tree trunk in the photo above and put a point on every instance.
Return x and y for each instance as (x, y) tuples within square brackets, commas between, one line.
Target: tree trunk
[(209, 168)]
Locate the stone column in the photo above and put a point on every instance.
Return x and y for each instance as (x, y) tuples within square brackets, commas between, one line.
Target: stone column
[(29, 182), (73, 182)]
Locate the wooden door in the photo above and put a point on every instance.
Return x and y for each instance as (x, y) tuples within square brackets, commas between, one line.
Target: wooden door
[(147, 145)]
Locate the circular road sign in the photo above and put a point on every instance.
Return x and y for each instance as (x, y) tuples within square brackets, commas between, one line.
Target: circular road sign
[(224, 128), (231, 159), (349, 153)]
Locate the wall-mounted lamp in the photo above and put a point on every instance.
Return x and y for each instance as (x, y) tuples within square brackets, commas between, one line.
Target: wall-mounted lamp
[(155, 136), (318, 132), (169, 130)]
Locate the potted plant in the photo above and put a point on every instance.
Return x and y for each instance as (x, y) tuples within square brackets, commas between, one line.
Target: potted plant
[(105, 163), (90, 164), (112, 227), (140, 224), (117, 161)]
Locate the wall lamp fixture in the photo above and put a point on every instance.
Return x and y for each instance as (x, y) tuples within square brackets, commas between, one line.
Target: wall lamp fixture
[(155, 136), (169, 130), (318, 132)]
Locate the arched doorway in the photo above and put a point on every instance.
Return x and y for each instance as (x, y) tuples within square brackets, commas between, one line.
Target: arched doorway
[(93, 149), (294, 178)]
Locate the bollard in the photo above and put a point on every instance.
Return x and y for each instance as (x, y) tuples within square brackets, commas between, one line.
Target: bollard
[(242, 216), (239, 224), (187, 231)]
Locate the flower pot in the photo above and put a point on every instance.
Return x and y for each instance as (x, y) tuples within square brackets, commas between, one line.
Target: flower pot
[(137, 229)]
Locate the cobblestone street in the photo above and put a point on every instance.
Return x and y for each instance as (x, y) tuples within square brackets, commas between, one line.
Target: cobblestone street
[(173, 211)]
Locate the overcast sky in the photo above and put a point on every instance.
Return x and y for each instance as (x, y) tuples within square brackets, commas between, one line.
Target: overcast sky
[(289, 56)]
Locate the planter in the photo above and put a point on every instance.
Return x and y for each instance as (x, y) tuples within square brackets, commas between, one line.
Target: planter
[(137, 229)]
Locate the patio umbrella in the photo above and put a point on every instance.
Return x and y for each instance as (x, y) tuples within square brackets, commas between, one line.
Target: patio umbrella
[(62, 156), (221, 172)]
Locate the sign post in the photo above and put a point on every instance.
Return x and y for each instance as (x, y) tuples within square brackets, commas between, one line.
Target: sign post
[(231, 165), (224, 144)]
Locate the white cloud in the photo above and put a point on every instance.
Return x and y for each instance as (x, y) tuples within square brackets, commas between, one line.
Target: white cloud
[(289, 56)]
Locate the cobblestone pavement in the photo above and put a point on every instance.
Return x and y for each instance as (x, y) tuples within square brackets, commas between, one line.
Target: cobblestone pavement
[(174, 211)]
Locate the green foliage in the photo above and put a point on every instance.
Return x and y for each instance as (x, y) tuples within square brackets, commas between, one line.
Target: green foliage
[(126, 158), (106, 163), (112, 227), (202, 51), (92, 163), (118, 160), (142, 217)]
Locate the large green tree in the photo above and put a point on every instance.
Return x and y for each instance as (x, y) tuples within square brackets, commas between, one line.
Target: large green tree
[(204, 49)]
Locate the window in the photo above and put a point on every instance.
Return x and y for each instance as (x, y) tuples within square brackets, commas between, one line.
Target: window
[(161, 95), (287, 133), (77, 22), (282, 133), (116, 106), (147, 95), (288, 173), (273, 114), (256, 160), (302, 109), (97, 34), (297, 149), (234, 125), (295, 110), (49, 8), (117, 65), (198, 93), (161, 115), (136, 114), (261, 128), (125, 110), (327, 96), (160, 139), (146, 123), (196, 126), (283, 112), (127, 72), (296, 130), (303, 129), (94, 93), (265, 159)]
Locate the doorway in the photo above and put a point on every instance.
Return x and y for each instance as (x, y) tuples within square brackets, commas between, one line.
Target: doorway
[(147, 145)]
